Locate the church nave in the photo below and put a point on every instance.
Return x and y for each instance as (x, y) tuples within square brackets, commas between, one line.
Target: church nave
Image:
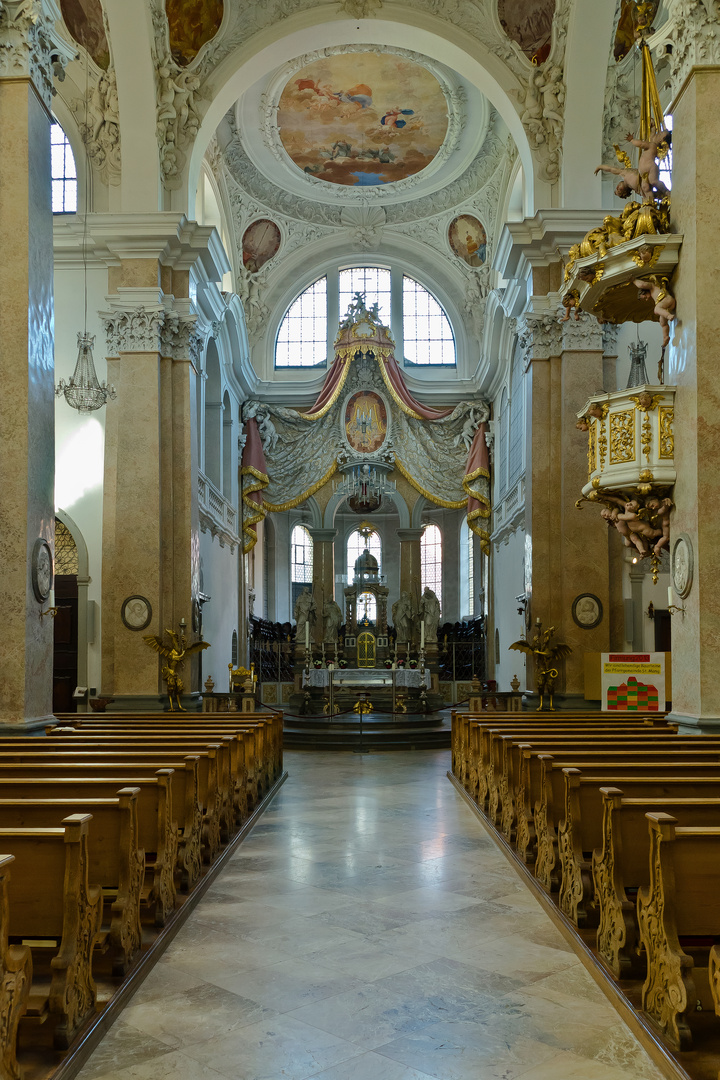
[(368, 929)]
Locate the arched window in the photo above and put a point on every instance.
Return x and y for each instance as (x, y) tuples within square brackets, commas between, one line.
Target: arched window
[(302, 337), (355, 548), (301, 571), (63, 172), (421, 327), (427, 332), (467, 571), (431, 560), (366, 608)]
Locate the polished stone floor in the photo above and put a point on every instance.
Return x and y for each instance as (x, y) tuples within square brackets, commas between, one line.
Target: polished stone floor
[(369, 929)]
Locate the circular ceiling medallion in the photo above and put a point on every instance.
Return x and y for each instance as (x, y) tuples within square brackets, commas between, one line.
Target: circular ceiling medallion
[(362, 119)]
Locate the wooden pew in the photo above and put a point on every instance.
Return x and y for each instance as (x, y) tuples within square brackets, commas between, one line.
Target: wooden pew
[(157, 828), (480, 768), (15, 981), (610, 767), (216, 786), (50, 897), (232, 771), (505, 773), (621, 862), (184, 777), (267, 764), (251, 745), (681, 901), (115, 862)]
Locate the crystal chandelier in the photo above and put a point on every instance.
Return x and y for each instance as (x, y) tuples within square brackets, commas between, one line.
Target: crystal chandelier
[(83, 391), (364, 485)]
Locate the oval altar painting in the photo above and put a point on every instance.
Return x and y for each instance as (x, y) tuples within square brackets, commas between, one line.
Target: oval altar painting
[(468, 239), (261, 241), (365, 422), (362, 119)]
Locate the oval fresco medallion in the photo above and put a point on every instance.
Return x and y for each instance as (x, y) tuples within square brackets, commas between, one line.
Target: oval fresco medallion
[(468, 239), (365, 422), (261, 241), (362, 119)]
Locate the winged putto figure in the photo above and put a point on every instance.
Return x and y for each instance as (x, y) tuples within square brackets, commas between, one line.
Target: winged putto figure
[(545, 658), (175, 655)]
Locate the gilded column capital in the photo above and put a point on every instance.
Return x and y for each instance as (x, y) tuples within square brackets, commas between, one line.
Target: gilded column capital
[(30, 46), (582, 335), (539, 335)]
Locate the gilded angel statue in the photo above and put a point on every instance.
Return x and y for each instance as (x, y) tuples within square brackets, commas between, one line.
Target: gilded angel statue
[(175, 655), (545, 658)]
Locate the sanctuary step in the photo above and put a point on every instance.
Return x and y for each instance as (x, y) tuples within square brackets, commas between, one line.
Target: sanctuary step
[(379, 732)]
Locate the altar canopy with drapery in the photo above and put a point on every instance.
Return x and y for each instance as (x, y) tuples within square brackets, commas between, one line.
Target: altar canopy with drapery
[(365, 414)]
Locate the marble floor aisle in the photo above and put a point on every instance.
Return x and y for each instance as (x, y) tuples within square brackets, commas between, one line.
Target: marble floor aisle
[(368, 929)]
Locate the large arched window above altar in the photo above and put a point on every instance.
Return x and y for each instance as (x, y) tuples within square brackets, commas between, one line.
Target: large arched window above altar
[(302, 337), (301, 549), (431, 560), (420, 325), (355, 548)]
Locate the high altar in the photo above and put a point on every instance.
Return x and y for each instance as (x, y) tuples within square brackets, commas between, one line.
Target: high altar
[(366, 439)]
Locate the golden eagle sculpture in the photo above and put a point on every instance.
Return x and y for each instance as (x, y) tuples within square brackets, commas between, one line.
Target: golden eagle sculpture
[(175, 655), (545, 658)]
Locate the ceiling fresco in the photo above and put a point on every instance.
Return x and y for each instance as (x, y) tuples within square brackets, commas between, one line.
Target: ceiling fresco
[(362, 119), (84, 20), (191, 23), (529, 23)]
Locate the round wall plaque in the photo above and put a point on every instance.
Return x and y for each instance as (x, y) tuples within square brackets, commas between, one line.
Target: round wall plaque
[(136, 612), (682, 565), (42, 569), (587, 611)]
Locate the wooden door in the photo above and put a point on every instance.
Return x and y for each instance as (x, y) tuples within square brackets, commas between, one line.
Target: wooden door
[(65, 653)]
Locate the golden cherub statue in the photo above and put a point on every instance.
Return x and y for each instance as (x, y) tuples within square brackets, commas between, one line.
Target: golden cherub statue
[(175, 655), (545, 657)]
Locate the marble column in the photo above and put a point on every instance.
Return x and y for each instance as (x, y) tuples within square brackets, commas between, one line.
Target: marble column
[(27, 450), (323, 584), (150, 508), (566, 554), (410, 570), (692, 364)]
